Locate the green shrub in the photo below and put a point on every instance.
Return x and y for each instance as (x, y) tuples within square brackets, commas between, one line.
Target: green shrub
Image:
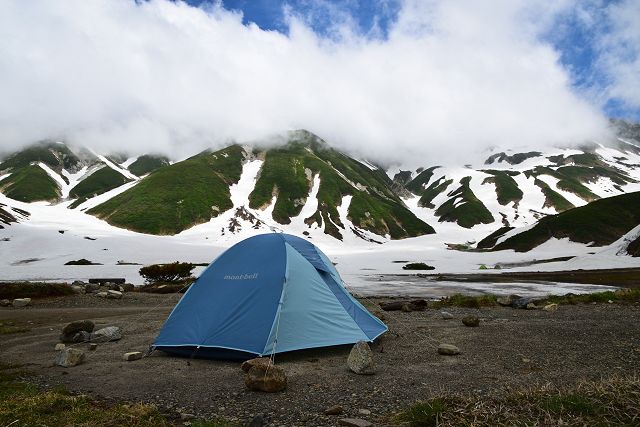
[(170, 273), (424, 414)]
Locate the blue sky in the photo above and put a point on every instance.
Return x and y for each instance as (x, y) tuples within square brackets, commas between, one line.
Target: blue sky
[(570, 35)]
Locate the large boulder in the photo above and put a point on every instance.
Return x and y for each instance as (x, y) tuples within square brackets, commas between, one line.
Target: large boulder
[(267, 378), (70, 331), (91, 288), (77, 289), (360, 359), (521, 302), (21, 302), (471, 321), (114, 294), (110, 333), (69, 357), (247, 365), (5, 303)]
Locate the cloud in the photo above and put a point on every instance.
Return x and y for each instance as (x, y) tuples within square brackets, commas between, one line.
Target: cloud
[(620, 53), (449, 78)]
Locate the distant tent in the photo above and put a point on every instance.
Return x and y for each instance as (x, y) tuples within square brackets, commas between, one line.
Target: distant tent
[(268, 294)]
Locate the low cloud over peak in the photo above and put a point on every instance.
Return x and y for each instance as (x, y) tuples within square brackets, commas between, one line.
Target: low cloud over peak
[(164, 76)]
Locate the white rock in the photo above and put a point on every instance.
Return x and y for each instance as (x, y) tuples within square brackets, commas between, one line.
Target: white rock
[(360, 359), (114, 294), (448, 349), (446, 315), (21, 302), (60, 346), (69, 357), (110, 333), (131, 356), (550, 307)]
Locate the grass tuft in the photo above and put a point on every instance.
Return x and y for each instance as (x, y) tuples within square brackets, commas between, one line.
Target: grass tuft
[(424, 414), (34, 290), (609, 401), (24, 404)]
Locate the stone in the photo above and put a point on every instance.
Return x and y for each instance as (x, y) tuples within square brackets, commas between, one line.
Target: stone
[(21, 302), (127, 287), (448, 349), (78, 283), (415, 305), (406, 308), (520, 302), (131, 356), (82, 336), (93, 346), (102, 294), (248, 364), (69, 357), (360, 359), (70, 331), (114, 294), (364, 412), (354, 422), (507, 300), (60, 346), (550, 307), (532, 306), (91, 288), (471, 321), (5, 303), (77, 289), (446, 315), (334, 410), (267, 378), (110, 333), (186, 417)]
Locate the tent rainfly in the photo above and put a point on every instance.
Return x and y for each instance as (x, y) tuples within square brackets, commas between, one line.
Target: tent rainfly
[(267, 294)]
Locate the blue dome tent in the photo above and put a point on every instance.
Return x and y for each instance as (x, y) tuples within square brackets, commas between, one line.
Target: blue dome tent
[(267, 294)]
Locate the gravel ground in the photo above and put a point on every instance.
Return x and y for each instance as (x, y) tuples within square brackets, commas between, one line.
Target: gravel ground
[(511, 348)]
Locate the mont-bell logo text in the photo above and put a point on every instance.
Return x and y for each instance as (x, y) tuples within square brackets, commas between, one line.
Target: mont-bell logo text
[(246, 276)]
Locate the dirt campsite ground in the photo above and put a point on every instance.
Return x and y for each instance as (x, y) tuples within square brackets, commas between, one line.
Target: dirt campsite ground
[(510, 349)]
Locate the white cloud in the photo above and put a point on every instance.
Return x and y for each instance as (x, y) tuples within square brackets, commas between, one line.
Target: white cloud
[(620, 52), (452, 77)]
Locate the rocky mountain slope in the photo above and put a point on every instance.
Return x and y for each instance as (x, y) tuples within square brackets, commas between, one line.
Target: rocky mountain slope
[(306, 187)]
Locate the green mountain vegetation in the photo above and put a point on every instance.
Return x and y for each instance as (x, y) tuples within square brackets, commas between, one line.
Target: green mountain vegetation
[(507, 188), (514, 159), (100, 181), (634, 248), (174, 198), (287, 172), (147, 163), (599, 223), (464, 207), (417, 184), (578, 169), (553, 199), (437, 187), (491, 240), (30, 184), (56, 156)]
